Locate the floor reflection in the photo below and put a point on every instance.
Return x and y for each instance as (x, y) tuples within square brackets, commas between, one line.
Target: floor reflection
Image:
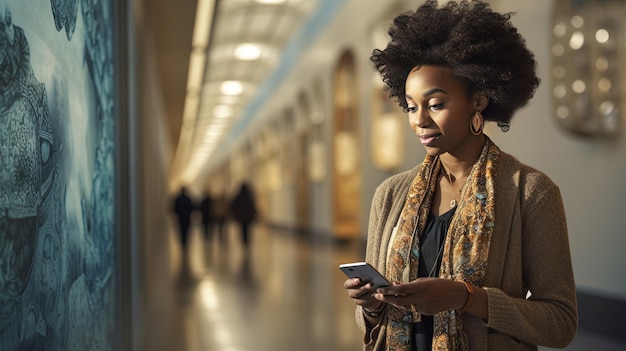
[(284, 294)]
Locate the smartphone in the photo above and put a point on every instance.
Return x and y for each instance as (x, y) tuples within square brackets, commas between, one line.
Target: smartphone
[(366, 272)]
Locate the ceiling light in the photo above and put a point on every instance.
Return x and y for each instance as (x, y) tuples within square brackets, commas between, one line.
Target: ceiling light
[(577, 21), (577, 40), (270, 2), (222, 111), (228, 99), (247, 52), (231, 87), (602, 36), (214, 132)]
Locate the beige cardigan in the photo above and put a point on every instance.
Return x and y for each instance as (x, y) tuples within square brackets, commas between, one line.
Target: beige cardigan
[(529, 251)]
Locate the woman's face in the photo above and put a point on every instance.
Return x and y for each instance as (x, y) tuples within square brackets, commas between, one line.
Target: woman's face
[(440, 109)]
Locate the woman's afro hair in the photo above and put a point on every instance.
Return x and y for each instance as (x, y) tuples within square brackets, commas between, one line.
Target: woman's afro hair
[(480, 46)]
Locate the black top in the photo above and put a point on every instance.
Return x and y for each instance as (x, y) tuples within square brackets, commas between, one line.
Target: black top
[(431, 244)]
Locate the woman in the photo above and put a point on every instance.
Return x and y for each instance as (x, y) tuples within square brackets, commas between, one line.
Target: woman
[(474, 241)]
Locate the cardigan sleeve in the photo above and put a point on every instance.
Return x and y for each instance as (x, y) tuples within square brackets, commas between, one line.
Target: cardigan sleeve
[(548, 314), (386, 206), (371, 332)]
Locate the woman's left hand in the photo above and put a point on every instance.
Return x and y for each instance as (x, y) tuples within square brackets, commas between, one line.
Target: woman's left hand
[(429, 295)]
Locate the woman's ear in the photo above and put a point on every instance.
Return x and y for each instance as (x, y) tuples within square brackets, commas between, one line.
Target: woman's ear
[(480, 101)]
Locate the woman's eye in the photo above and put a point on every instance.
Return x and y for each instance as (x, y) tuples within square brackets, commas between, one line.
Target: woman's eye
[(411, 109), (435, 106)]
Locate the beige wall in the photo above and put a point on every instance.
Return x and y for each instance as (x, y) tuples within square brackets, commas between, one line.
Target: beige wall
[(151, 149), (590, 172)]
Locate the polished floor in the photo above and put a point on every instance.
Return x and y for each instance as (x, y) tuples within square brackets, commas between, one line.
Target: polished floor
[(284, 294)]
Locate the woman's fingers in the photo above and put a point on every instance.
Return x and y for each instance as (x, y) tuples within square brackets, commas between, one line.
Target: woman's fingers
[(357, 290), (352, 283)]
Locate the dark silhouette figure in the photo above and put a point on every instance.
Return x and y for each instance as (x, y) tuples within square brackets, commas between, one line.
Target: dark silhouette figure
[(244, 211), (208, 214), (183, 207), (220, 211)]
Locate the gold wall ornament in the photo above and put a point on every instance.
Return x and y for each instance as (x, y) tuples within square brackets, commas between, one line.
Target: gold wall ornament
[(317, 161), (588, 72), (274, 174), (388, 122), (346, 151), (387, 131), (317, 150)]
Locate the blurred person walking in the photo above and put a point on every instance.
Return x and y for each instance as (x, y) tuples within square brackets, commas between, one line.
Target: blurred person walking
[(183, 207), (244, 211), (221, 209), (207, 209)]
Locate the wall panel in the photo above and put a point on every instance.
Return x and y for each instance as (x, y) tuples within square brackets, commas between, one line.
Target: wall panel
[(57, 175)]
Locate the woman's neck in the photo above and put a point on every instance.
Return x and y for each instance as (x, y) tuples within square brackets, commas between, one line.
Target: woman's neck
[(459, 165)]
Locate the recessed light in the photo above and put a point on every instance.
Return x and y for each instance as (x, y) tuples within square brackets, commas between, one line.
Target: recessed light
[(222, 111), (270, 2), (247, 52), (602, 35), (231, 87)]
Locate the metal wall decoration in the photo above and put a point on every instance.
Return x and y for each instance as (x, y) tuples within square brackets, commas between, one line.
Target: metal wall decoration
[(57, 250), (588, 71)]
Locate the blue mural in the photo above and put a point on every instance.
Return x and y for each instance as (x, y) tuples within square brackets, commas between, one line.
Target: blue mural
[(57, 167)]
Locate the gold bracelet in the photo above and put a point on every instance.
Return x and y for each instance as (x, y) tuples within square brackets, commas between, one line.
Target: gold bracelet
[(470, 293)]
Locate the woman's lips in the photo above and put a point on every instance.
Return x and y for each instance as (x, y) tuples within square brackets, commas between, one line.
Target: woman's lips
[(428, 138)]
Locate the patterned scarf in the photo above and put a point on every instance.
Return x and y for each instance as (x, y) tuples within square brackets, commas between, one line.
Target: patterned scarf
[(465, 249)]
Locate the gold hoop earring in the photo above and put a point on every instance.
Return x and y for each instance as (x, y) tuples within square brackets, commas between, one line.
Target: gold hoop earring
[(477, 123)]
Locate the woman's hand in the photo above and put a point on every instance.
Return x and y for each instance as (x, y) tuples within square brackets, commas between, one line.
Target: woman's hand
[(429, 295), (362, 294)]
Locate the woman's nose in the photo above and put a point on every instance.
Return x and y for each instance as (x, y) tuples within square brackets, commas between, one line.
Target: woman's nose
[(420, 118)]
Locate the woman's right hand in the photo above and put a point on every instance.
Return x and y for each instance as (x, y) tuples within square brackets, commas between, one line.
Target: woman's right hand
[(362, 294)]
